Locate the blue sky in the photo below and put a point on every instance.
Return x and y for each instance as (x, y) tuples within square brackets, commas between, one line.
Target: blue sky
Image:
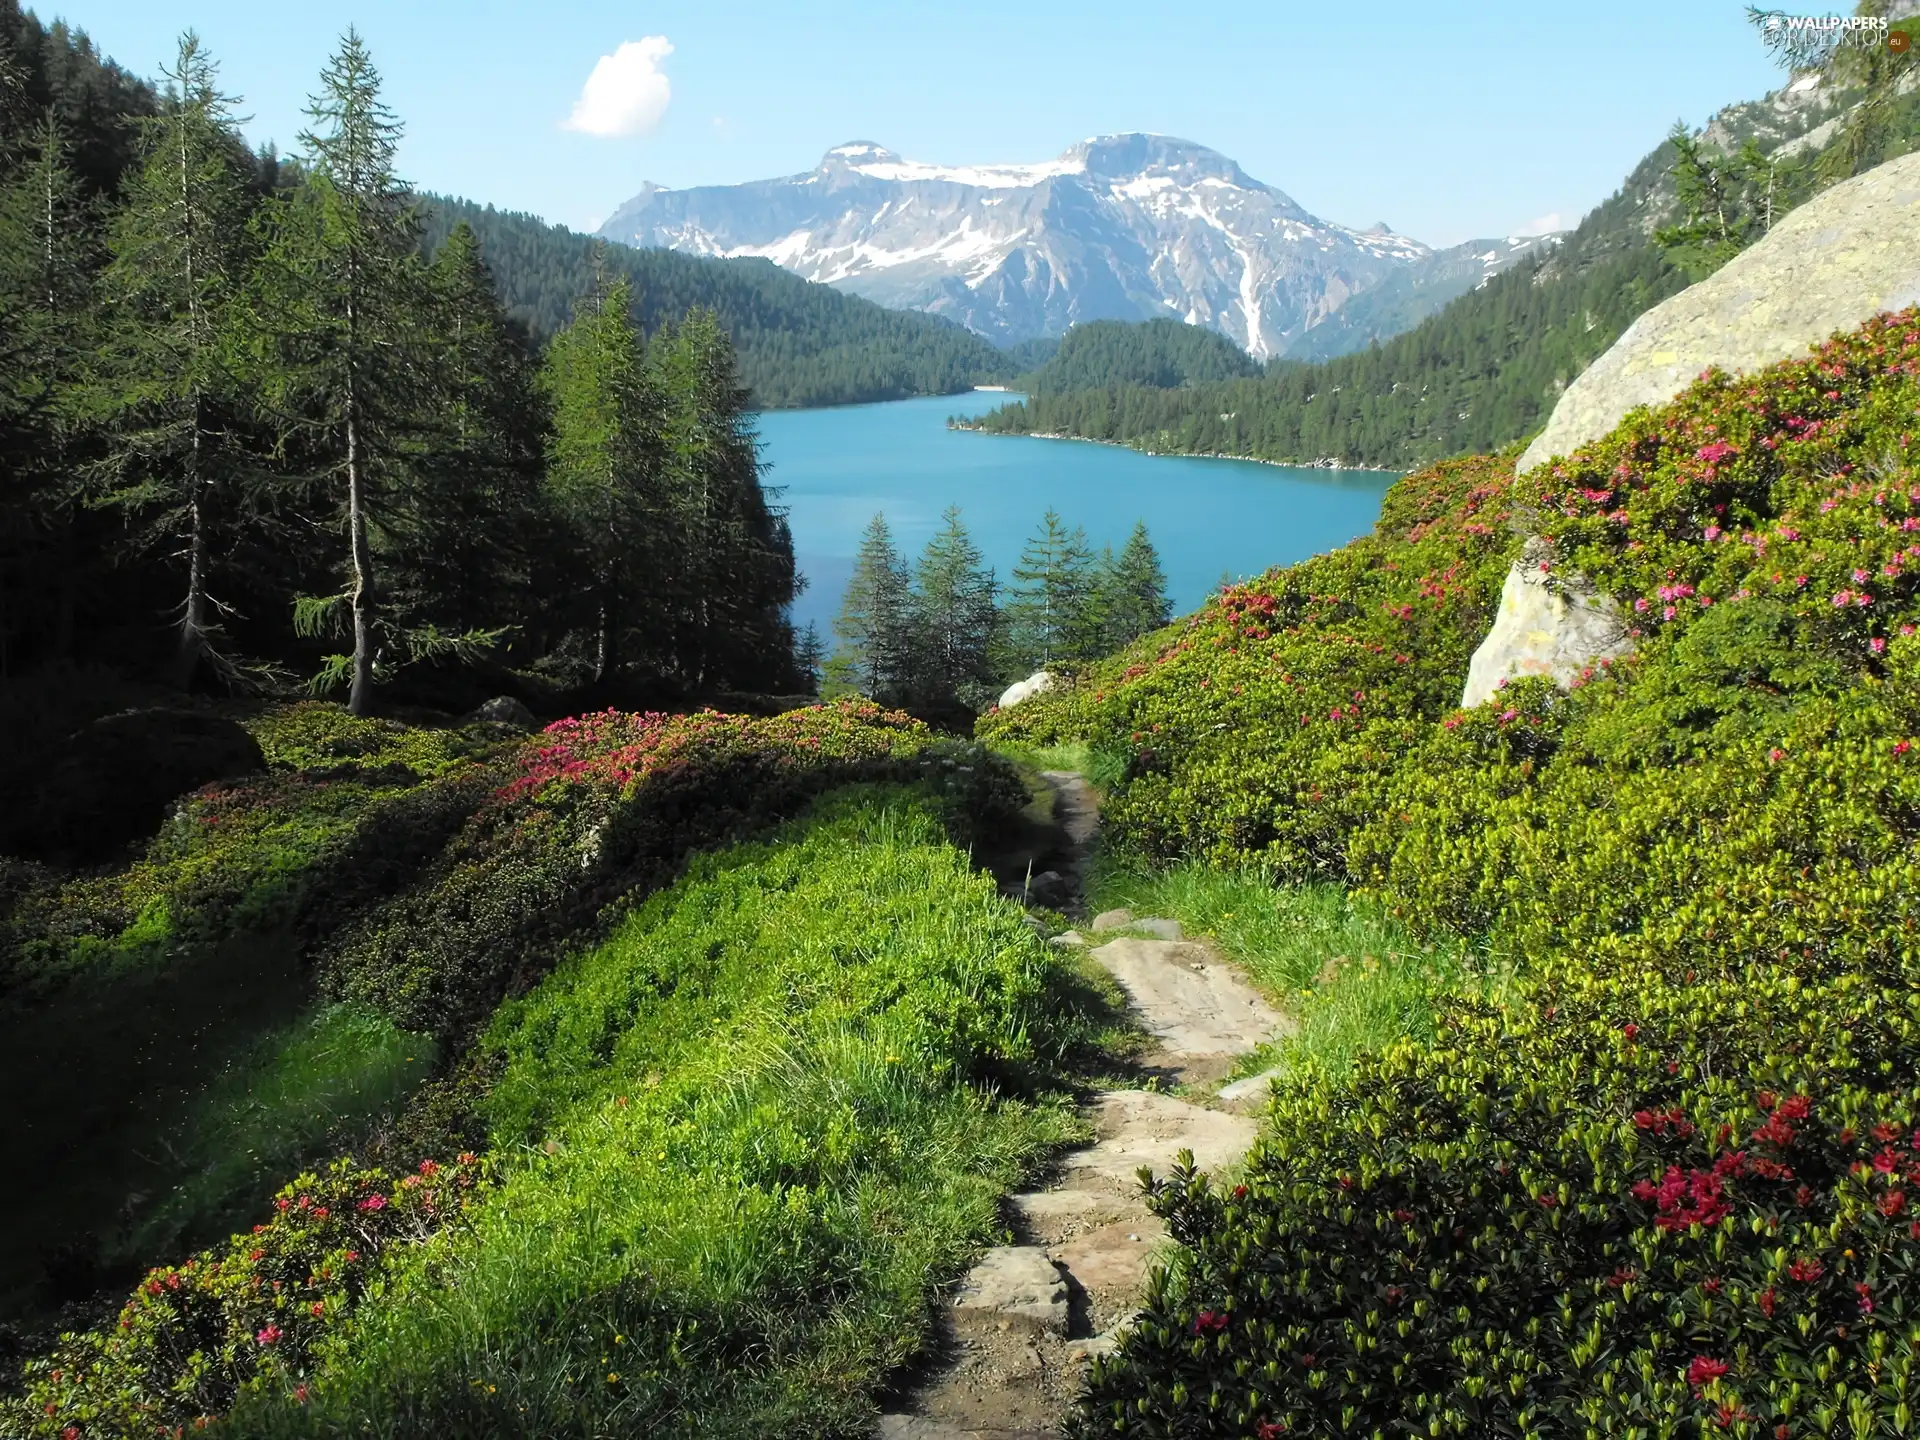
[(1448, 121)]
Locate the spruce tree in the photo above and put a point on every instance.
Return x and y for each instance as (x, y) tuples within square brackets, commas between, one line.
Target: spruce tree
[(606, 463), (1047, 608), (873, 627), (732, 555), (348, 341), (47, 261), (1133, 591), (180, 424), (952, 617), (464, 549)]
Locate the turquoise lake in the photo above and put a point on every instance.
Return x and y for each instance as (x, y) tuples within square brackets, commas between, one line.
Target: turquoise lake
[(1208, 518)]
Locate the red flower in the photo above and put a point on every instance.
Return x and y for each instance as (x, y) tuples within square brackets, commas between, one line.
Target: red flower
[(1270, 1430), (270, 1335), (373, 1202), (1892, 1203), (1625, 1275), (1767, 1299), (1806, 1271), (1703, 1370), (1210, 1322), (1549, 1199), (1629, 1030)]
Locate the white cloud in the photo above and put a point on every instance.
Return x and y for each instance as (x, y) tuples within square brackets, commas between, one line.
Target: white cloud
[(1547, 224), (627, 92)]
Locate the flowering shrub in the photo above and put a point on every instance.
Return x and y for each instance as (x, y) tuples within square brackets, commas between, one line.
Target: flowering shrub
[(1615, 1207), (1261, 726), (254, 1312), (1668, 1188), (603, 807), (257, 853)]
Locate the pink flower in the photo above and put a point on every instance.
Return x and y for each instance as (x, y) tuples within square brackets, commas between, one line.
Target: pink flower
[(269, 1336), (1703, 1370), (1876, 644), (373, 1202), (1641, 604)]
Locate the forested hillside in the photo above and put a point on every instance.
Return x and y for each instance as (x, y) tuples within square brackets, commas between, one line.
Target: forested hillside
[(1487, 370), (1164, 354), (798, 343)]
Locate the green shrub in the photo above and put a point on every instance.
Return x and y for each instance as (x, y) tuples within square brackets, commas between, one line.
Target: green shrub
[(1710, 846), (1259, 729), (1617, 1208)]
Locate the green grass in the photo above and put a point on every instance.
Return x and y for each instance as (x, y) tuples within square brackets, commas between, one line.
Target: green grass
[(312, 1088), (1352, 976), (1100, 767), (742, 1140)]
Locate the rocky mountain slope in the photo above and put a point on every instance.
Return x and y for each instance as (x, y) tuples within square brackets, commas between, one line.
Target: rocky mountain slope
[(1121, 227)]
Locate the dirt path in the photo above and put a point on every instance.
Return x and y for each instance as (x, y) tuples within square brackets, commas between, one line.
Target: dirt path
[(1029, 1315)]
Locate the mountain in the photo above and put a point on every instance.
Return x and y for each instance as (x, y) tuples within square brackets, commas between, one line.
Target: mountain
[(1486, 369), (1405, 298), (798, 343), (1122, 227)]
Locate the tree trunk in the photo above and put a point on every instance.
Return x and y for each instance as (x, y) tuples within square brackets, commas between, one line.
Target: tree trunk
[(193, 620), (360, 698)]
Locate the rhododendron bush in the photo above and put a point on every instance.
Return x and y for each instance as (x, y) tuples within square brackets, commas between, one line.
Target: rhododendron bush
[(1666, 1187), (254, 1310), (1610, 1208)]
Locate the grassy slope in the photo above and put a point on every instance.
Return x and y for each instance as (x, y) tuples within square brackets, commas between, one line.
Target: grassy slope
[(737, 1142)]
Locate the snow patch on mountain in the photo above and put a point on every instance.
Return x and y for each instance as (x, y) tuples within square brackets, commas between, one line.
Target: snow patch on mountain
[(1117, 227)]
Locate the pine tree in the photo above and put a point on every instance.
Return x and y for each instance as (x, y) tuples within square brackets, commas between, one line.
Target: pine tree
[(348, 335), (1047, 607), (47, 262), (952, 619), (810, 658), (873, 627), (1133, 592), (605, 468), (179, 422), (732, 555), (462, 550)]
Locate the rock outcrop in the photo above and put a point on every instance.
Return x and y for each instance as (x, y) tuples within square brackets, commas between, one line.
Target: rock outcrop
[(1835, 262), (506, 710), (1038, 683), (1550, 622), (113, 782)]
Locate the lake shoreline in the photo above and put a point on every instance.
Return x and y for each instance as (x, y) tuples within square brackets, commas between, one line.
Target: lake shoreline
[(1329, 462)]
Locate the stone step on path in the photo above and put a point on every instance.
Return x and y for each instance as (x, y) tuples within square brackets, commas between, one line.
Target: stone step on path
[(1029, 1315)]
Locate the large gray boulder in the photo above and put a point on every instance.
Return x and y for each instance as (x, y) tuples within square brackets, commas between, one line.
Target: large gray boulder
[(1832, 264), (1038, 683), (1550, 622)]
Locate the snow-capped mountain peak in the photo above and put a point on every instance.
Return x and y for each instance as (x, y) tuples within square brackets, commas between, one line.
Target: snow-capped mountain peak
[(1128, 226)]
